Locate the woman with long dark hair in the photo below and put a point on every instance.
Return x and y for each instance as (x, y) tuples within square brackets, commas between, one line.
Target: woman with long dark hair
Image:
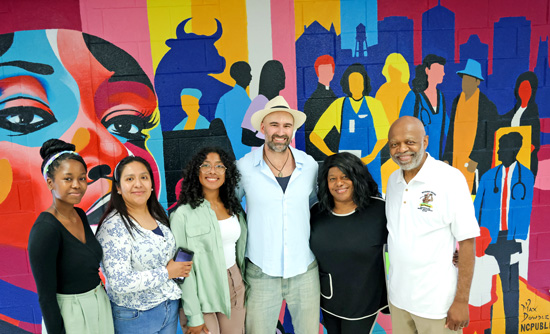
[(526, 112), (348, 233), (209, 220), (63, 251), (427, 103), (138, 247)]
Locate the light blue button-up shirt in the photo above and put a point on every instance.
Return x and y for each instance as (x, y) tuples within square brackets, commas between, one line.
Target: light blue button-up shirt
[(278, 223)]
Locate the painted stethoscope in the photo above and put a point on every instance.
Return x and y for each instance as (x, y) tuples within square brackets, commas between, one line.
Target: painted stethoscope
[(423, 110), (496, 189)]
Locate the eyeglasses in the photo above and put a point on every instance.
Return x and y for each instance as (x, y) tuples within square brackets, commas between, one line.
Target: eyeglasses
[(218, 169)]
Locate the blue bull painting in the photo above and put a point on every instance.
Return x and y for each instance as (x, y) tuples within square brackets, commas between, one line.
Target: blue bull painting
[(188, 64)]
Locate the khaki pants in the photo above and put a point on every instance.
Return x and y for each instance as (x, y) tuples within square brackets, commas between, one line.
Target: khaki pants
[(86, 313), (403, 322), (219, 323)]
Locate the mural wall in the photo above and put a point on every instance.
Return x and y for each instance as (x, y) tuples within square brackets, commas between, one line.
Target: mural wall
[(162, 78)]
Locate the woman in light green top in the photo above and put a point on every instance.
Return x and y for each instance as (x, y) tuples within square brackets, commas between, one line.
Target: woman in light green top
[(209, 220)]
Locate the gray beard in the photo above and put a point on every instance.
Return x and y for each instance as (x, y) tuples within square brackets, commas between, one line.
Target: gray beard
[(415, 162), (279, 148)]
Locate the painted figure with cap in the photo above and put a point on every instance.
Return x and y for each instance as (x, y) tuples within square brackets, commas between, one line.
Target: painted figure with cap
[(474, 118), (190, 98), (279, 183), (429, 210)]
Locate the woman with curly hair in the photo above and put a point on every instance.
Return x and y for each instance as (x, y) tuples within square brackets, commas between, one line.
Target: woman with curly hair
[(348, 233), (209, 221)]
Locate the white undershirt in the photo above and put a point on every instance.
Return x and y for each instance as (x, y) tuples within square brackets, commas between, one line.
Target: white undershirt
[(230, 231), (517, 116), (508, 190)]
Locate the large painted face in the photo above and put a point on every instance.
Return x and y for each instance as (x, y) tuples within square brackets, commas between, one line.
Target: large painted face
[(52, 86)]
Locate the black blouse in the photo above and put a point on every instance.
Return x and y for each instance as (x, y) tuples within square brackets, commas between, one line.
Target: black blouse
[(61, 263), (350, 253)]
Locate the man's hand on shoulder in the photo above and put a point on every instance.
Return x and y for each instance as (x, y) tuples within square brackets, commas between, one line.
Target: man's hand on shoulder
[(458, 316)]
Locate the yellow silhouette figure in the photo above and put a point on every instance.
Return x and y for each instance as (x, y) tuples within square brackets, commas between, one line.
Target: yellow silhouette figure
[(190, 98), (393, 92)]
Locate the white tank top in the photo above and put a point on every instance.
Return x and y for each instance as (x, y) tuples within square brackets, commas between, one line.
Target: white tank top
[(230, 231)]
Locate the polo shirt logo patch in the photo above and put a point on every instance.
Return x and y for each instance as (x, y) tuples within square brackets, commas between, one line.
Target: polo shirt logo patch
[(426, 200)]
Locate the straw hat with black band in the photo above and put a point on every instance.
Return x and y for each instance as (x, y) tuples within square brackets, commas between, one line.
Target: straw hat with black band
[(278, 103)]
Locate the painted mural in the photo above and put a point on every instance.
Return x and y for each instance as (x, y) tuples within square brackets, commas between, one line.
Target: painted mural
[(162, 79)]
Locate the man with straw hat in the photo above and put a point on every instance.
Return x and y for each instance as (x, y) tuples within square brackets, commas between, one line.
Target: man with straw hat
[(279, 183)]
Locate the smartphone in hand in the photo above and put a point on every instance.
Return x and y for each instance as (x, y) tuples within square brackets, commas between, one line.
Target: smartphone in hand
[(182, 255)]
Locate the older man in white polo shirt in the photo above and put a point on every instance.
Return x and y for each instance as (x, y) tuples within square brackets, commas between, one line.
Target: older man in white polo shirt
[(429, 209)]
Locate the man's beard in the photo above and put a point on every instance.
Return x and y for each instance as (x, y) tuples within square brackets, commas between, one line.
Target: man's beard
[(414, 162), (278, 147)]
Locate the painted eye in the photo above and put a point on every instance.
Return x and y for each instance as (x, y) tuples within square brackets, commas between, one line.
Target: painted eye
[(128, 126), (24, 120), (120, 129), (17, 119)]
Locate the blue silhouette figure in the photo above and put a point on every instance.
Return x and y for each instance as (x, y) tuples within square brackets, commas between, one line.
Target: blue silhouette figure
[(503, 205), (233, 105)]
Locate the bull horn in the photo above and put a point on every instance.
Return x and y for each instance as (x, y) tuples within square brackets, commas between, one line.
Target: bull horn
[(180, 31), (218, 32)]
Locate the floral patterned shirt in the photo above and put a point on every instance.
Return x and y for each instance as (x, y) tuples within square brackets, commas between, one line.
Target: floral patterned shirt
[(135, 265)]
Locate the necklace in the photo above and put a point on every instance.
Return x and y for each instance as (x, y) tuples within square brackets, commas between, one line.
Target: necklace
[(279, 170), (62, 215)]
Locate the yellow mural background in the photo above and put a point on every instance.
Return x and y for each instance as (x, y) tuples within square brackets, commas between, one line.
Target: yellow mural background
[(524, 155), (165, 16), (530, 304), (324, 12)]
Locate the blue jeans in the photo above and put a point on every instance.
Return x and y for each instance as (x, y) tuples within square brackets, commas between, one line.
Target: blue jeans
[(161, 319), (266, 294)]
